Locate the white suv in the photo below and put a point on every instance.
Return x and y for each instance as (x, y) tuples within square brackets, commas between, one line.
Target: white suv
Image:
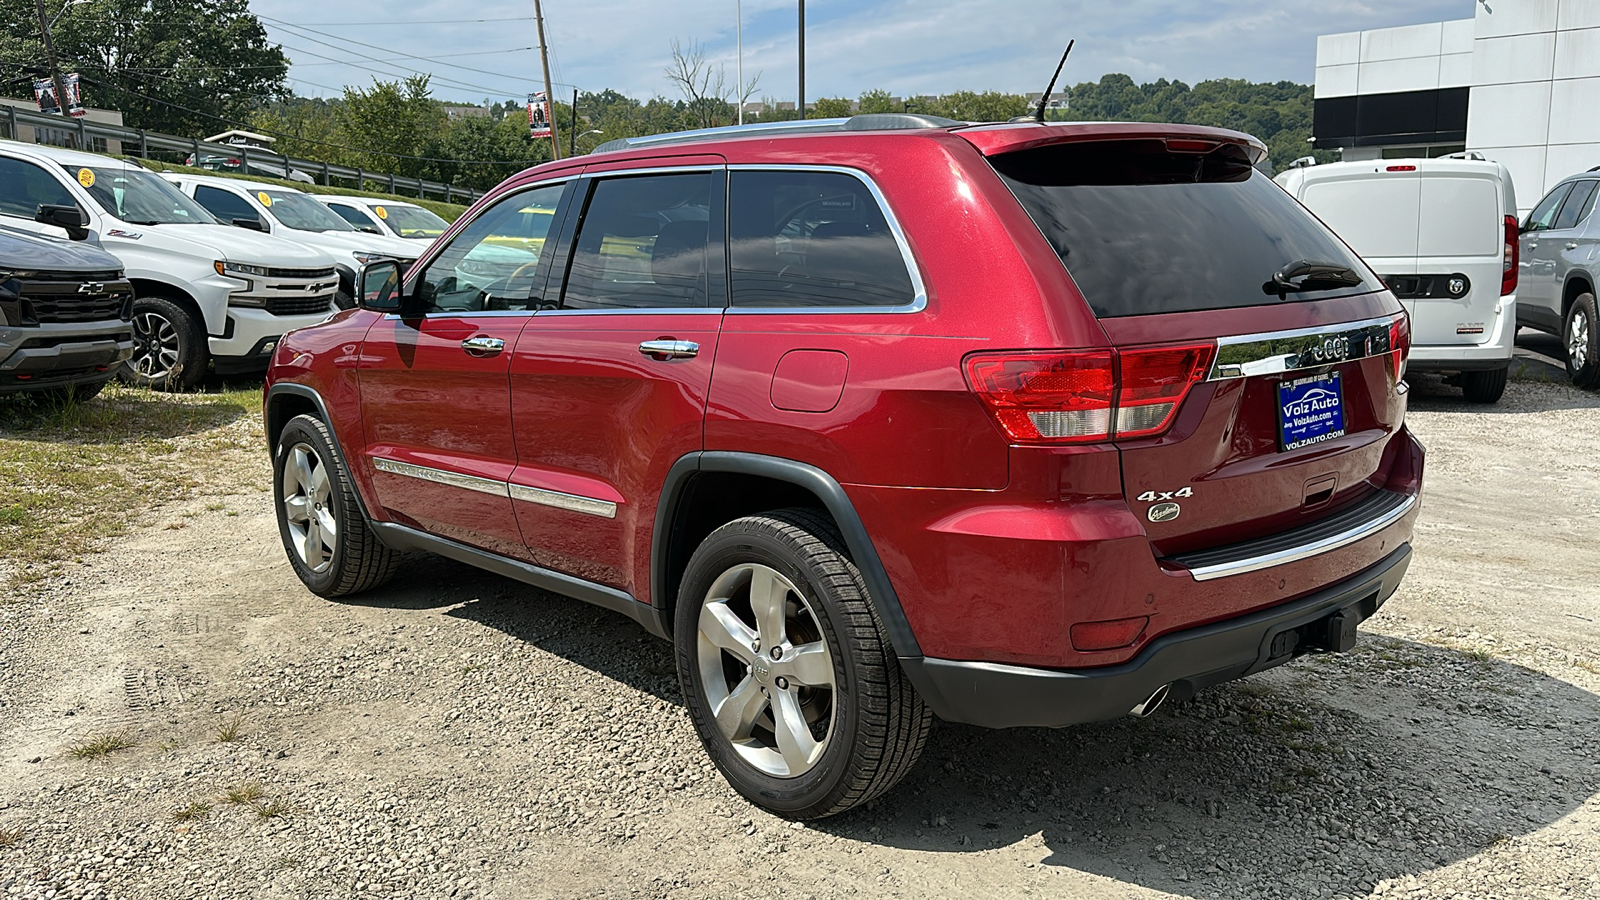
[(296, 216), (204, 293), (1442, 233), (375, 216)]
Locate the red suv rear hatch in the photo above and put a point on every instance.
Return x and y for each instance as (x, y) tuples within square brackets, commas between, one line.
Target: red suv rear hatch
[(1251, 382)]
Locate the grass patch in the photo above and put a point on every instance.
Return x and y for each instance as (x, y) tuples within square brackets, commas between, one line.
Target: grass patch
[(192, 812), (74, 474), (239, 794), (275, 809), (10, 837), (101, 746), (228, 730)]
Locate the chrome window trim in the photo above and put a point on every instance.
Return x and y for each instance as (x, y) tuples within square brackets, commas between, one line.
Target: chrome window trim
[(1306, 551), (652, 170), (636, 311), (919, 300), (605, 509), (439, 476), (1280, 352)]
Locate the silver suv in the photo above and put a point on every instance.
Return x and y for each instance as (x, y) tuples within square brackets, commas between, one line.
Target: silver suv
[(1560, 266)]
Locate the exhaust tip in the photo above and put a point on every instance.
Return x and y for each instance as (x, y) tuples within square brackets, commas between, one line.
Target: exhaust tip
[(1152, 702)]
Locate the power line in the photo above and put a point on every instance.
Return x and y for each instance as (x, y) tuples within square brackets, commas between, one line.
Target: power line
[(294, 28), (418, 22), (327, 63), (448, 82)]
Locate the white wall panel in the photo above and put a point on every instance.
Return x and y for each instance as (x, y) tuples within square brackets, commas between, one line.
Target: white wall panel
[(1392, 75), (1335, 81), (1568, 159), (1508, 115), (1523, 57), (1456, 36), (1515, 17), (1578, 14), (1455, 70), (1407, 42), (1575, 111), (1578, 52), (1339, 49)]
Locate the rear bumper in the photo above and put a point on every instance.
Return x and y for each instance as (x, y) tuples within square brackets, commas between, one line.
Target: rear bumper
[(992, 695), (1493, 353)]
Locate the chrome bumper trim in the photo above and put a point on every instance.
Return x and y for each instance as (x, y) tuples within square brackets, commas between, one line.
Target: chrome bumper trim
[(1278, 352), (605, 509), (1306, 551), (439, 476)]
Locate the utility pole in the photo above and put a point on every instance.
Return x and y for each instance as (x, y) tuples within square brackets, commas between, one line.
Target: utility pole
[(801, 106), (572, 133), (738, 29), (50, 54), (544, 60)]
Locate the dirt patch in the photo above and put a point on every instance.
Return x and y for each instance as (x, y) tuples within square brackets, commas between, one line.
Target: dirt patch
[(460, 735)]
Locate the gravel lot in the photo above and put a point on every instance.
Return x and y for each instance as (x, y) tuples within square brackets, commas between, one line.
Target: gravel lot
[(459, 735)]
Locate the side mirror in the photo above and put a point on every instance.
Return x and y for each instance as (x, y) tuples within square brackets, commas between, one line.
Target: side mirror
[(378, 286), (72, 218), (370, 229), (252, 224)]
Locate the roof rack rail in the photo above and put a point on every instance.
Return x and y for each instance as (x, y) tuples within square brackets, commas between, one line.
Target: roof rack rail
[(863, 122)]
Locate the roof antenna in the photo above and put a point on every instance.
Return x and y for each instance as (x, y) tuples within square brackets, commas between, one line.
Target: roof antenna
[(1038, 116)]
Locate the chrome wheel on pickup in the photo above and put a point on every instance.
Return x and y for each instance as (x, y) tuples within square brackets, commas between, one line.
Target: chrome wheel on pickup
[(169, 351), (789, 678)]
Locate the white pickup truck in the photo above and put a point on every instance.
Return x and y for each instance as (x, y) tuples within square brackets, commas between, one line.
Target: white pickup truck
[(296, 216), (205, 294)]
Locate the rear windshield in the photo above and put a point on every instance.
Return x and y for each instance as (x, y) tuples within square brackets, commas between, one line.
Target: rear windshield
[(1144, 231)]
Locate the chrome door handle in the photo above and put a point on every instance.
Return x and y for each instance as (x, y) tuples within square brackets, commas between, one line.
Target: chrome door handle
[(483, 346), (665, 349), (1572, 245)]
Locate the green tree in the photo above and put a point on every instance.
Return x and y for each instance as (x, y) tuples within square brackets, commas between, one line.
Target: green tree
[(878, 101), (390, 123), (989, 106), (832, 108), (180, 66)]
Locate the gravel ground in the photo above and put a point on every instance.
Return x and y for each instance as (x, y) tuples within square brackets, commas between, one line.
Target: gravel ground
[(459, 735)]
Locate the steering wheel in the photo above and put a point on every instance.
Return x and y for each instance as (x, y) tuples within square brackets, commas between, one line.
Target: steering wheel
[(520, 269)]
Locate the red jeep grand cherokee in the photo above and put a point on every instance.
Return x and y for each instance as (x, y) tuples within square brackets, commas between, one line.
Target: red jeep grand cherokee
[(879, 419)]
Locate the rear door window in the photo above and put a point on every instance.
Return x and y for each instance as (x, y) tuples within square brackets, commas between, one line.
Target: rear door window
[(812, 239), (1545, 212), (1145, 231), (1577, 206)]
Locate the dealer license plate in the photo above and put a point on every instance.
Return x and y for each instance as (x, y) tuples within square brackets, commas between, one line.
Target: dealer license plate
[(1310, 411)]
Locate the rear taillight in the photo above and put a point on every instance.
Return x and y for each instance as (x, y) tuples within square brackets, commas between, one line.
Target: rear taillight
[(1061, 397), (1508, 270), (1399, 345)]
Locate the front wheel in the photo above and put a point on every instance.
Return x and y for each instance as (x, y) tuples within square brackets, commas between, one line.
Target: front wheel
[(330, 545), (789, 679), (1583, 342), (169, 346)]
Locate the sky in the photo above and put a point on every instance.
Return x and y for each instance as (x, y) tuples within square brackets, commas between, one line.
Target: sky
[(906, 47)]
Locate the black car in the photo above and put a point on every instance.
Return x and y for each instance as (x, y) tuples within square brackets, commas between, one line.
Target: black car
[(65, 312)]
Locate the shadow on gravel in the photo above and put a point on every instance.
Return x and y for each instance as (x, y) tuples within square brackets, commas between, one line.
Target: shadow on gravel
[(1317, 779)]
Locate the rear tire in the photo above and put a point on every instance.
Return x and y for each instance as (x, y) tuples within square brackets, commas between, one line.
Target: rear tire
[(170, 352), (330, 544), (1484, 386), (831, 721), (1581, 337)]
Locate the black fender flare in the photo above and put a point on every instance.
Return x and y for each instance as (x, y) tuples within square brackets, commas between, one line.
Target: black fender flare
[(800, 474), (309, 393)]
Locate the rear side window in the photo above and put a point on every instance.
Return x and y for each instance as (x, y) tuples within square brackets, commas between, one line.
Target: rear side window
[(1145, 231), (811, 239), (1577, 206), (643, 242), (1545, 212), (24, 187), (225, 205)]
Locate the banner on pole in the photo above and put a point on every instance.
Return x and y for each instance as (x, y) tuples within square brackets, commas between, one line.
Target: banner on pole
[(44, 91), (538, 115)]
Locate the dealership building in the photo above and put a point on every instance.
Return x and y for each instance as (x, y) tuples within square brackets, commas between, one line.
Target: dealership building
[(1519, 82)]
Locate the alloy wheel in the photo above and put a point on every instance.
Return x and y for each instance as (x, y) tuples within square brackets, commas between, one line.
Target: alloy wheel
[(1578, 339), (308, 507), (155, 346), (766, 670)]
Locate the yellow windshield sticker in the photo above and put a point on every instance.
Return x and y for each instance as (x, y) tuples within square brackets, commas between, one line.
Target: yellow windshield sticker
[(265, 198), (86, 177), (382, 213)]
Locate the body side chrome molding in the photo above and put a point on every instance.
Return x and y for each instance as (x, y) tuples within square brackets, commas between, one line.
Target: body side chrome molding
[(1279, 352), (605, 509), (588, 505), (1308, 550)]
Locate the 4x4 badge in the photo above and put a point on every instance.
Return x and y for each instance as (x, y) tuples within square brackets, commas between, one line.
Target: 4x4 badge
[(1184, 492)]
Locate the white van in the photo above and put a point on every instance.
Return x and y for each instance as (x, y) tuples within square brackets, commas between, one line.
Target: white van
[(1442, 233)]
